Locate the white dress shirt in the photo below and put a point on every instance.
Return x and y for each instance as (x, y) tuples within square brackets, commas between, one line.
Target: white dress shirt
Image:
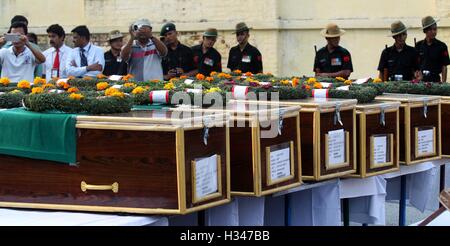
[(50, 54), (94, 54)]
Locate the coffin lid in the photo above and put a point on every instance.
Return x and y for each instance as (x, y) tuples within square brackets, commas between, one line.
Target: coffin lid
[(408, 98), (378, 104), (163, 118)]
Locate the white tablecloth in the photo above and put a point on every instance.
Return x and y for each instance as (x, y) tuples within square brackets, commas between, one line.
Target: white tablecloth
[(12, 217)]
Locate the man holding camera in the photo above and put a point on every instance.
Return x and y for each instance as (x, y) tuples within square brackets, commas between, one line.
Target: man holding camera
[(20, 60), (144, 52), (180, 58)]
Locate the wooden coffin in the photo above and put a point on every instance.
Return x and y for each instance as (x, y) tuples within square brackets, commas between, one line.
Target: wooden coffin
[(445, 117), (377, 138), (262, 161), (143, 162), (420, 127), (317, 117)]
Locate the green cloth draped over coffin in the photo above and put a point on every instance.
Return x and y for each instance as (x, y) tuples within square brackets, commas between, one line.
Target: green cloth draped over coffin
[(50, 137)]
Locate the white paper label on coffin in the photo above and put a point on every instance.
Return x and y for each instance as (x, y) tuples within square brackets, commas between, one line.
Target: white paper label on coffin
[(325, 85), (117, 86), (194, 91), (380, 150), (159, 97), (280, 164), (62, 80), (320, 93), (57, 91), (206, 182), (336, 148), (425, 142), (361, 81), (343, 88), (115, 77), (240, 92)]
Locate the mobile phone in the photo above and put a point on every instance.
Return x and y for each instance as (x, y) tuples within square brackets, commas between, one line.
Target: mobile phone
[(12, 37)]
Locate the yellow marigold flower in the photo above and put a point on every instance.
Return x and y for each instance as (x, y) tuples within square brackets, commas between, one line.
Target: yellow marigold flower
[(212, 74), (285, 82), (213, 90), (102, 86), (24, 84), (118, 94), (73, 90), (101, 76), (15, 91), (39, 81), (138, 90), (318, 86), (132, 85), (169, 86), (377, 80), (111, 91), (200, 76), (4, 81), (238, 72), (37, 90), (76, 96), (311, 81), (48, 85), (348, 82), (340, 79)]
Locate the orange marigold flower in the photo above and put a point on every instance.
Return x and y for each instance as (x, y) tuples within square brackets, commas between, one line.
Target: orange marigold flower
[(48, 85), (155, 81), (348, 82), (200, 76), (210, 79), (212, 74), (183, 77), (308, 87), (73, 90), (37, 90), (248, 74), (295, 82), (24, 84), (87, 78), (377, 80), (39, 81), (127, 77), (101, 76), (71, 78), (340, 79), (63, 85), (238, 72), (318, 86), (5, 81), (102, 86)]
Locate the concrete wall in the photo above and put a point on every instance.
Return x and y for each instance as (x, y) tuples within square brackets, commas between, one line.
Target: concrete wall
[(285, 30)]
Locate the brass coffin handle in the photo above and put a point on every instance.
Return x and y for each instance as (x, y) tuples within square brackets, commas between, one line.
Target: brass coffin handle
[(114, 187)]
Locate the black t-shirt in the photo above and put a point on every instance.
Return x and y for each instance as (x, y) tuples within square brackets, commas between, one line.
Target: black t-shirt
[(249, 60), (208, 62), (432, 58), (338, 60), (114, 65), (181, 57), (400, 65)]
